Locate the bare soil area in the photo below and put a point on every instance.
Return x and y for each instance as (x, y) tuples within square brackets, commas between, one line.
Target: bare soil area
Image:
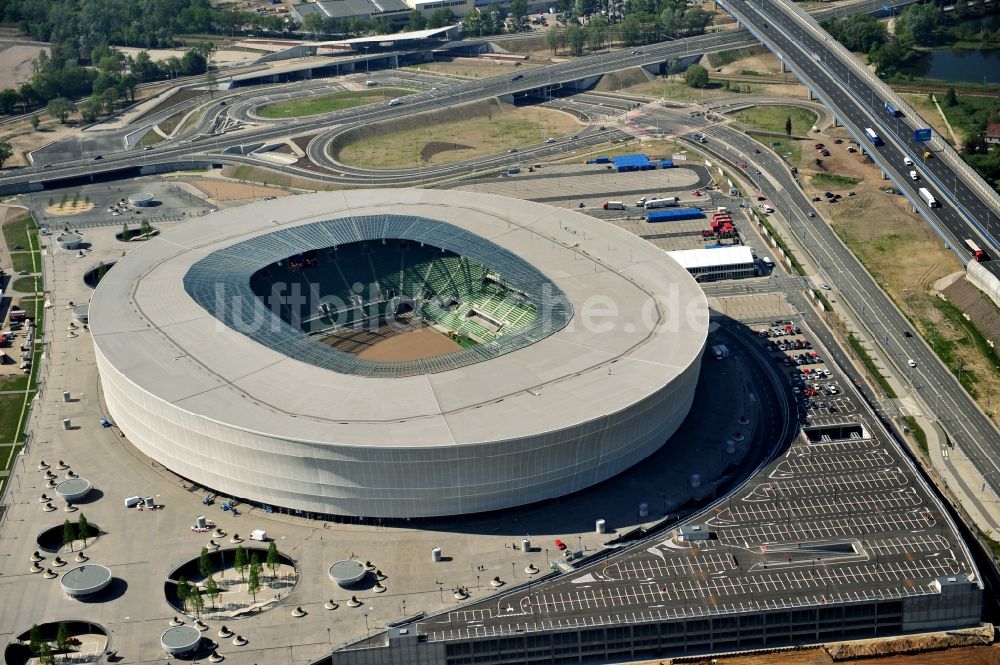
[(983, 311), (15, 63), (411, 345), (69, 209), (222, 190)]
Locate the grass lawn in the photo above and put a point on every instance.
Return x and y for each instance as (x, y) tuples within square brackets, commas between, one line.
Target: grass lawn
[(10, 416), (26, 284), (152, 137), (446, 142), (13, 381), (170, 123), (772, 118), (17, 233), (832, 181), (22, 261), (928, 113), (970, 111), (313, 104)]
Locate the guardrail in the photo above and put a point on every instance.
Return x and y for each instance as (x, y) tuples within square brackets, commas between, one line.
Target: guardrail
[(943, 148)]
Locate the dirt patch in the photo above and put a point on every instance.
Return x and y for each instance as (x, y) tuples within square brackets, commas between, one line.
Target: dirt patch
[(615, 81), (68, 209), (980, 308), (435, 147), (221, 190), (423, 343), (15, 63)]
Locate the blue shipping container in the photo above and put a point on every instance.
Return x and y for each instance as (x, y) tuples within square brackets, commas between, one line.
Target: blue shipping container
[(673, 215)]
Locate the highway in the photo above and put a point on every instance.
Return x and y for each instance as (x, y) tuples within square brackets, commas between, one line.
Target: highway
[(965, 212), (935, 385), (551, 77)]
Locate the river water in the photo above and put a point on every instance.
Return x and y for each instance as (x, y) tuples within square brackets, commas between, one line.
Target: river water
[(960, 65)]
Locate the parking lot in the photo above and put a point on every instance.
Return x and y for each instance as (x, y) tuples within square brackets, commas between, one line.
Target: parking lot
[(839, 517)]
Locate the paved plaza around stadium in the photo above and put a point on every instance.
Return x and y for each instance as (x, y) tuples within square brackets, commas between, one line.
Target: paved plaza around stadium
[(142, 548)]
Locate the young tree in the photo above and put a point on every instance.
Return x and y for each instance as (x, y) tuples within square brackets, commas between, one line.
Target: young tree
[(83, 528), (696, 76), (951, 99), (35, 639), (240, 561), (205, 566), (69, 535), (519, 12), (45, 656), (788, 126), (61, 637), (253, 579), (197, 602), (272, 557), (183, 591), (144, 228), (212, 84), (60, 108), (553, 39), (35, 122), (211, 589), (575, 39), (6, 152), (125, 232)]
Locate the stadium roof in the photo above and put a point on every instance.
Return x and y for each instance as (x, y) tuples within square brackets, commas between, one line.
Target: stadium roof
[(639, 322), (716, 257), (414, 35), (230, 268)]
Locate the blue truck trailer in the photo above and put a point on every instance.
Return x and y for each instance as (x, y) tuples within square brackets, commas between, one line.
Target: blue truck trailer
[(673, 215)]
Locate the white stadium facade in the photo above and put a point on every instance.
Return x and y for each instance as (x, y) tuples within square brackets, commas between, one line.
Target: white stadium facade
[(228, 352)]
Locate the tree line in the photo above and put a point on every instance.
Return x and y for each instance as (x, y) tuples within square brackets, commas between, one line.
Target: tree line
[(60, 78)]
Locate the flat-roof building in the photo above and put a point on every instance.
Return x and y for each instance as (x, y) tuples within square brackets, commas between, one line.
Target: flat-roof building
[(710, 264)]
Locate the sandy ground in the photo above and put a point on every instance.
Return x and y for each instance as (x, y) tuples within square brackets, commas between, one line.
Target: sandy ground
[(219, 58), (219, 191), (15, 62), (983, 312), (68, 209), (416, 344)]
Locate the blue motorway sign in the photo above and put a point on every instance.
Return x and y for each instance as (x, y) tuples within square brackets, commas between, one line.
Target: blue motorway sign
[(922, 135)]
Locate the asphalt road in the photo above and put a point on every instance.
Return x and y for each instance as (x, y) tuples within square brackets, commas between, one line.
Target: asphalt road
[(934, 383), (964, 211), (548, 77)]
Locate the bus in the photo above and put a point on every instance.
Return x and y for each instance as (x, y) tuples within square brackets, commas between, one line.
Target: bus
[(974, 248), (872, 136)]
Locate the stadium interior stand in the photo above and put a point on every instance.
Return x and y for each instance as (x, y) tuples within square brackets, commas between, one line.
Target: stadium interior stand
[(363, 283)]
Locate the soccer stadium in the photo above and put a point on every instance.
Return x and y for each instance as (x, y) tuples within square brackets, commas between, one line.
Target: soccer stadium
[(397, 353)]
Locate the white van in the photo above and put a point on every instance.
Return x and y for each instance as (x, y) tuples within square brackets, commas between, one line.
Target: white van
[(394, 102), (907, 161)]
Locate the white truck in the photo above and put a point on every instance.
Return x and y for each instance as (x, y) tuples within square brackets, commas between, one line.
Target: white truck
[(928, 198), (662, 203)]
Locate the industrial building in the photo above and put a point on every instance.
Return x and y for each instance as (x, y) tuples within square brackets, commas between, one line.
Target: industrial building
[(714, 263), (205, 378)]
